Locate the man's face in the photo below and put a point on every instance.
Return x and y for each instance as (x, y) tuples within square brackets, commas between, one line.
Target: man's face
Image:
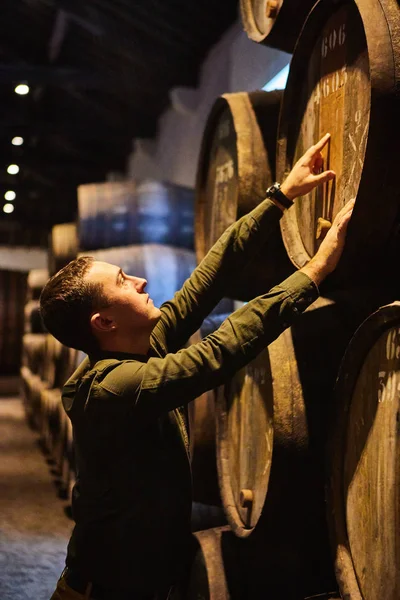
[(130, 306)]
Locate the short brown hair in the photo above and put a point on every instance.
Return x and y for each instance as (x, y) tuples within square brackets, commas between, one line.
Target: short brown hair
[(67, 302)]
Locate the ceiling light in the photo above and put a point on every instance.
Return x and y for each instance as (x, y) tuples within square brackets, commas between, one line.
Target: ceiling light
[(22, 89), (8, 208), (17, 141), (10, 195), (13, 169)]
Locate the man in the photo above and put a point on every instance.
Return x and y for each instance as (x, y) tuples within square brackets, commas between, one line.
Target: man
[(132, 499)]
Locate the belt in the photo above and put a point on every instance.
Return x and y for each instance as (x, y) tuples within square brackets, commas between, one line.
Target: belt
[(94, 591)]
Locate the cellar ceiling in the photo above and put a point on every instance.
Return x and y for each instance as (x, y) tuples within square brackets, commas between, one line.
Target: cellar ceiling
[(99, 73)]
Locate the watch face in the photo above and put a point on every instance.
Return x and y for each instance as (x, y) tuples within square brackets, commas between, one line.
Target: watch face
[(273, 189)]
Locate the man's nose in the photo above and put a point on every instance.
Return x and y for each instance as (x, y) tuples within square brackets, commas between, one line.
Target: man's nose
[(140, 283)]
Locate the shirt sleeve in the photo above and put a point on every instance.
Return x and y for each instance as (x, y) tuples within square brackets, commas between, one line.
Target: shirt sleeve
[(229, 256), (163, 384)]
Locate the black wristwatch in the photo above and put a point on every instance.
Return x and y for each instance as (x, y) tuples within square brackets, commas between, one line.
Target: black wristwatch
[(274, 191)]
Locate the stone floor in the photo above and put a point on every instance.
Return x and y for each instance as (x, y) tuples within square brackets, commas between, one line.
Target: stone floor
[(34, 528)]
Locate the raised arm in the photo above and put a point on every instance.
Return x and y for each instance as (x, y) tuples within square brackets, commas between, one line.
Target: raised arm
[(162, 384), (206, 286), (229, 256)]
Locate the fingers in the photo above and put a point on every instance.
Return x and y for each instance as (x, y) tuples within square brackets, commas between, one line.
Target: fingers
[(316, 148), (343, 222), (318, 164), (348, 207), (321, 144), (344, 215), (324, 177)]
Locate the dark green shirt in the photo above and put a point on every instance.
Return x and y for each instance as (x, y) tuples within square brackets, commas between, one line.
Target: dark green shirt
[(132, 499)]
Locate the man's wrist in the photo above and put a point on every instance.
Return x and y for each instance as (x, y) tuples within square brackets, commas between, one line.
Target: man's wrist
[(278, 204), (285, 189), (316, 270), (275, 192)]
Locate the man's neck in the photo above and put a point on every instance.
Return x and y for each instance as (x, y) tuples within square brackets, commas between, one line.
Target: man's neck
[(140, 345)]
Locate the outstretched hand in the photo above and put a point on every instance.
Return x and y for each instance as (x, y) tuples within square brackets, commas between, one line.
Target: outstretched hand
[(326, 259), (306, 173)]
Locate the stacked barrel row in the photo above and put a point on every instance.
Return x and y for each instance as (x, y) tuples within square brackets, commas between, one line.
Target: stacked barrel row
[(306, 444), (46, 365)]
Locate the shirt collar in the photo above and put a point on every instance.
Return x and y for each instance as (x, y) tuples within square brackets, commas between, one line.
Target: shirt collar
[(104, 354)]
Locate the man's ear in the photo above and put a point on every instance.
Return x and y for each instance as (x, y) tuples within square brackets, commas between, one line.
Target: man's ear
[(101, 323)]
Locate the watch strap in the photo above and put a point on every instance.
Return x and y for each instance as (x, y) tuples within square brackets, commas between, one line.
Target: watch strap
[(274, 191)]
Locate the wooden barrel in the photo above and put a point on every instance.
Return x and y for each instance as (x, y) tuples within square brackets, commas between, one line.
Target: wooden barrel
[(12, 300), (53, 356), (166, 268), (275, 23), (33, 345), (202, 449), (236, 165), (32, 364), (60, 362), (32, 386), (122, 213), (50, 401), (25, 394), (66, 457), (23, 388), (344, 79), (164, 214), (93, 202), (32, 320), (118, 217), (63, 246), (272, 425), (37, 279), (363, 498)]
